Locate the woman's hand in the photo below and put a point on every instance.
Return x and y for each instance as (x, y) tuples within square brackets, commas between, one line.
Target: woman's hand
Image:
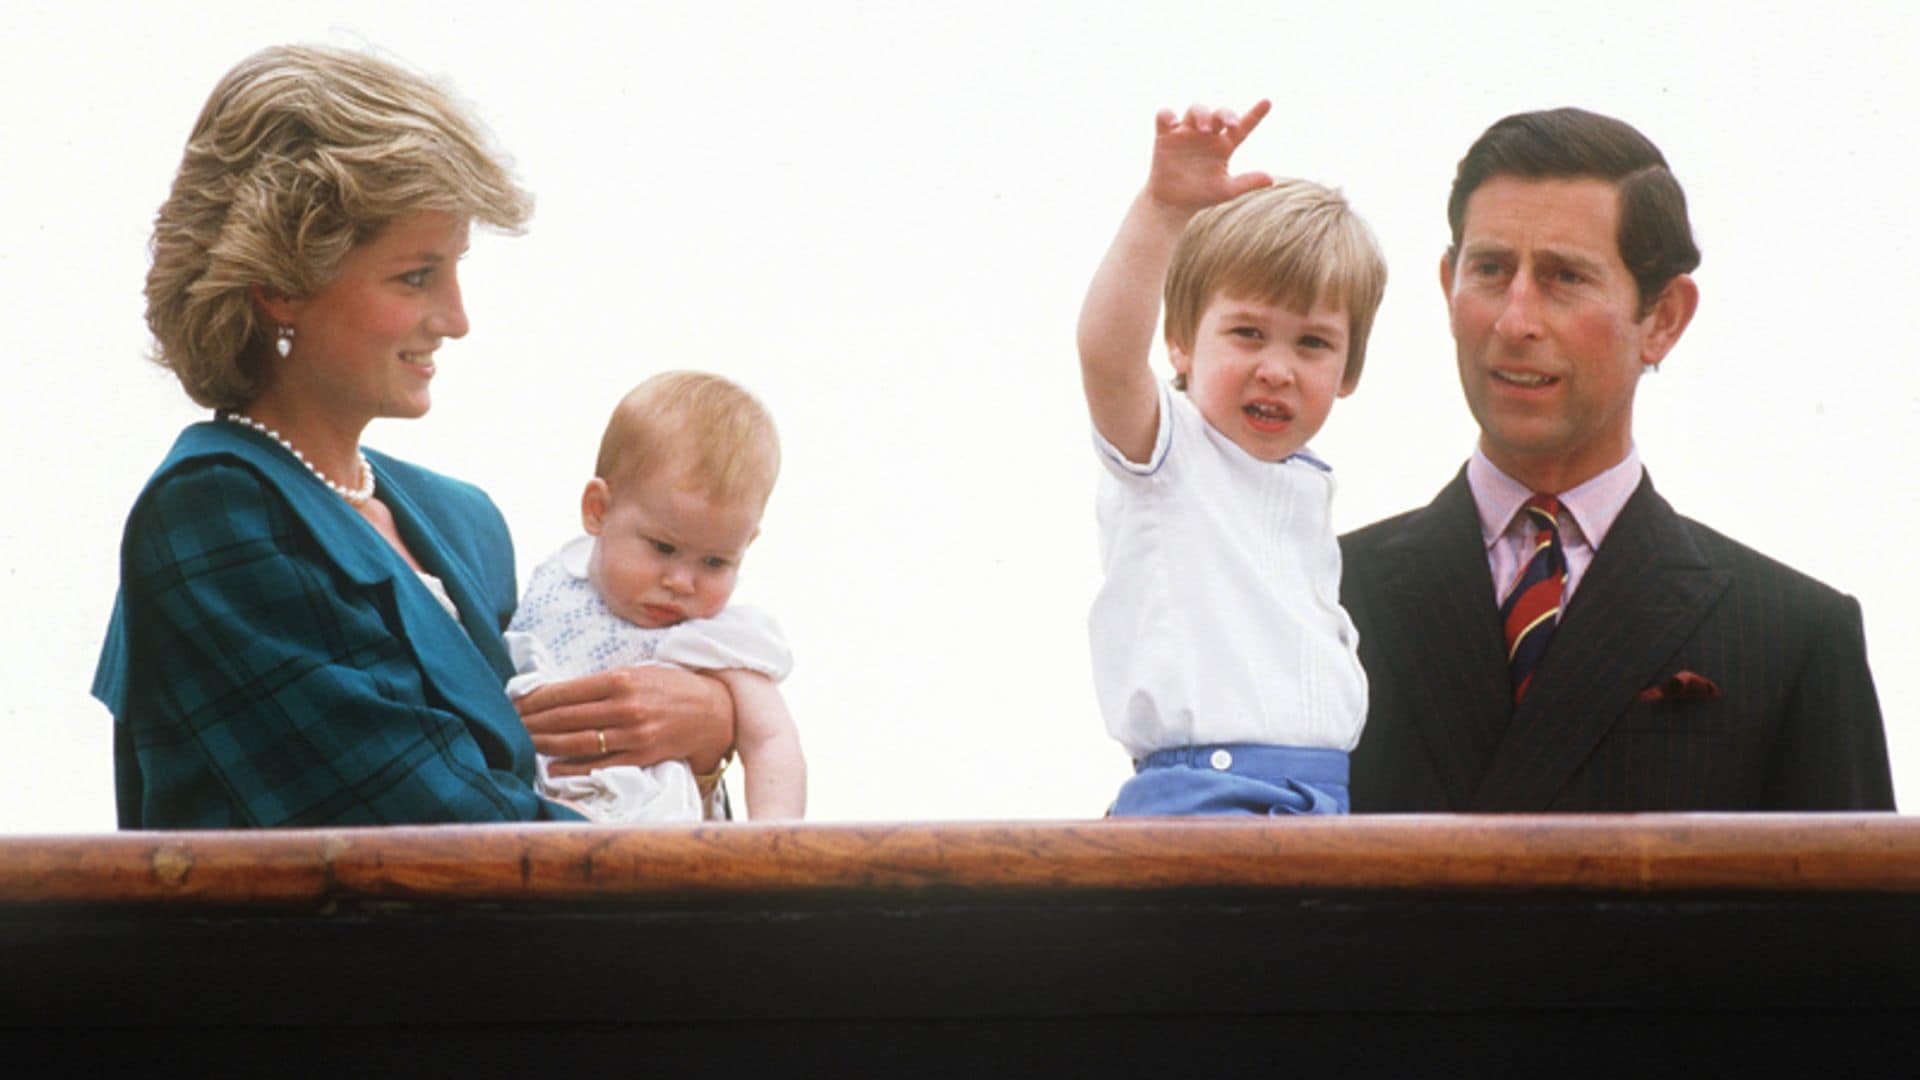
[(630, 716)]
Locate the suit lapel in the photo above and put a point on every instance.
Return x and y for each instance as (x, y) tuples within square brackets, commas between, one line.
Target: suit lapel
[(463, 663), (356, 549), (1649, 585), (425, 537), (467, 662), (1448, 645)]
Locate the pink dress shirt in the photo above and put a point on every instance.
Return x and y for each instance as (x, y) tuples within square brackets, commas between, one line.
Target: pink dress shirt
[(1586, 513)]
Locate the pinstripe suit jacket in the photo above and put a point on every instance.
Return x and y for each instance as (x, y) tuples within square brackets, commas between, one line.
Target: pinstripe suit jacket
[(273, 661), (1795, 726)]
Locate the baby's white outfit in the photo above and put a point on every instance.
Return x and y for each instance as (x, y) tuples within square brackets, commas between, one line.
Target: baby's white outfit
[(563, 630), (1219, 620)]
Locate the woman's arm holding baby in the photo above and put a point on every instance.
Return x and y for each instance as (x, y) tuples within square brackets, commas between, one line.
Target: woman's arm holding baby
[(769, 745), (1122, 308), (646, 715)]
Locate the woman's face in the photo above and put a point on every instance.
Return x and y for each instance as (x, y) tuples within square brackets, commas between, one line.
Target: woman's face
[(363, 346)]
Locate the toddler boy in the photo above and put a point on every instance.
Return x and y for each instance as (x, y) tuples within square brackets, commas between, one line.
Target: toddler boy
[(1222, 659)]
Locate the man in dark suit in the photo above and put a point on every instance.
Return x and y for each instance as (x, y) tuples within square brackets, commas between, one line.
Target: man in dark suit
[(1548, 634)]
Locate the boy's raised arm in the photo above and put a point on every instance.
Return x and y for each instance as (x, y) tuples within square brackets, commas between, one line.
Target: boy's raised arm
[(1122, 308)]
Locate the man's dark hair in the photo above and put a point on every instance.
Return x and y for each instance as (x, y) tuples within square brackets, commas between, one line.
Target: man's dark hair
[(1655, 240)]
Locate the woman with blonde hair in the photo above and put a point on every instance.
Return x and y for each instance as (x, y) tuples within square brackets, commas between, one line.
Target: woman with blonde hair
[(308, 632)]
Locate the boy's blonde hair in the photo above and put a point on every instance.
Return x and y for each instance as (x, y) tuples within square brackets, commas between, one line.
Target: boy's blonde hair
[(719, 436), (1293, 243), (298, 155)]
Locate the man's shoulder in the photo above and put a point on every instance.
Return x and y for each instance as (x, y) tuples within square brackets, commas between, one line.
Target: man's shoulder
[(1650, 530), (1754, 568), (1368, 538), (1364, 551), (1449, 516)]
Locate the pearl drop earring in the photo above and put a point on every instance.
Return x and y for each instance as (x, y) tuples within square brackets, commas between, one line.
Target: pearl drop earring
[(283, 341)]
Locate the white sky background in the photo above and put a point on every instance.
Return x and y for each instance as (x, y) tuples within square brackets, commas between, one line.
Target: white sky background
[(880, 217)]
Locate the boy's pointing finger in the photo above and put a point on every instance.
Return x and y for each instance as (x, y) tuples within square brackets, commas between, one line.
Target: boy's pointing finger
[(1243, 126)]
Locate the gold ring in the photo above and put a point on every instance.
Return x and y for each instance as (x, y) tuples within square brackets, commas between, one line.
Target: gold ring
[(602, 733)]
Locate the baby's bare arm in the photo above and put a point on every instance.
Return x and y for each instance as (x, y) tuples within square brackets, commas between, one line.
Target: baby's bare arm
[(769, 746), (1122, 308)]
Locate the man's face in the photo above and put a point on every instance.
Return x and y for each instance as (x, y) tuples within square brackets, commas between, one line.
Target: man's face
[(1547, 329)]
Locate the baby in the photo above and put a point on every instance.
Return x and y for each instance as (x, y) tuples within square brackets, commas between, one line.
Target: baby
[(1222, 659), (685, 468)]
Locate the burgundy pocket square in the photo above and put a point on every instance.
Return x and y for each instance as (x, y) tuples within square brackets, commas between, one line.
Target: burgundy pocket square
[(1683, 686)]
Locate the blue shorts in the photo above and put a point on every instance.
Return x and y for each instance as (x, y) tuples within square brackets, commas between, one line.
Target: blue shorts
[(1236, 778)]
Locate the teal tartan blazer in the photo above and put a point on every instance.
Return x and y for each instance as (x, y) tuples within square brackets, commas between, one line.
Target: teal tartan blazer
[(273, 661)]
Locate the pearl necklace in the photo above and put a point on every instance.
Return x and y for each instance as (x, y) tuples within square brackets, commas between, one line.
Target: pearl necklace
[(357, 496)]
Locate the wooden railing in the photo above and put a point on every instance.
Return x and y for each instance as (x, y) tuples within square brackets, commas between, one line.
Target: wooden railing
[(1367, 945)]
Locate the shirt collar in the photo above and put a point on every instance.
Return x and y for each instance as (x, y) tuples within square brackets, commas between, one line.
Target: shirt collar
[(1590, 507), (575, 556), (1305, 455)]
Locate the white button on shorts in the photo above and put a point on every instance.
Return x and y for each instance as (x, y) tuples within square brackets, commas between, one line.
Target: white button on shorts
[(1221, 760)]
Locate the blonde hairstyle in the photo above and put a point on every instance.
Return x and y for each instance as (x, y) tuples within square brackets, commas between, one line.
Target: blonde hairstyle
[(298, 155), (1292, 243), (719, 436)]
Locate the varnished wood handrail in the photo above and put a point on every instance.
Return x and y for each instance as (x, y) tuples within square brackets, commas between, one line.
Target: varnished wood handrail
[(1637, 854)]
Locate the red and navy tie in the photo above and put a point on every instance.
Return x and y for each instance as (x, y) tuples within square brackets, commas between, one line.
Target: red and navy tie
[(1532, 607)]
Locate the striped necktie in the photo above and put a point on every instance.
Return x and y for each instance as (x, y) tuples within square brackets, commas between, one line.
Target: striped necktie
[(1532, 607)]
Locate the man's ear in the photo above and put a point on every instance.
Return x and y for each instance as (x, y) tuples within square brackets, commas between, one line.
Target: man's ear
[(593, 505), (1446, 277), (1668, 318)]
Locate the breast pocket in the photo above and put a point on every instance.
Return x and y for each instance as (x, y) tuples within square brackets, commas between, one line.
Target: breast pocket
[(1679, 755)]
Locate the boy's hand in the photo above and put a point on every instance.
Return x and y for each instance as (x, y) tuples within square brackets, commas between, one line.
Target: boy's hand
[(1117, 319), (1190, 156)]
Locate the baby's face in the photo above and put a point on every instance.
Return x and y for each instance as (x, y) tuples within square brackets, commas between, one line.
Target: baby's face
[(662, 552)]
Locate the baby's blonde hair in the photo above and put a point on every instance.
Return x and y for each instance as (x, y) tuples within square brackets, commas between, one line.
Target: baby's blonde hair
[(298, 155), (1293, 243), (718, 436)]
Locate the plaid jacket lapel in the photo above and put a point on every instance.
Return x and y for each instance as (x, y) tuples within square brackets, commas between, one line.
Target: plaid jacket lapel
[(435, 536), (465, 662)]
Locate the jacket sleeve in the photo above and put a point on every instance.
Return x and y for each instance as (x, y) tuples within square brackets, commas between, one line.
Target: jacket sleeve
[(267, 688), (1833, 753)]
